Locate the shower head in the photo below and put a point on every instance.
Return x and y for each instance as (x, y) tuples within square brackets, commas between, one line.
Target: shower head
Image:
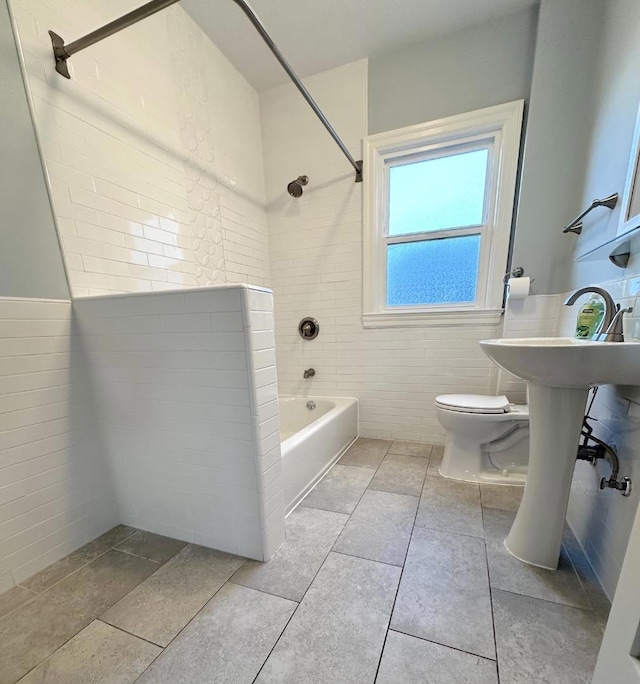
[(295, 187)]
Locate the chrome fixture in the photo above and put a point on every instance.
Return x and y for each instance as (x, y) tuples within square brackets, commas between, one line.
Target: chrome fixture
[(614, 333), (308, 328), (609, 305), (620, 255), (602, 450), (311, 405), (309, 373), (516, 272), (295, 187), (576, 225), (62, 53)]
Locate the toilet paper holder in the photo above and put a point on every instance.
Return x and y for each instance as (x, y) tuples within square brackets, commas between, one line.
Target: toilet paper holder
[(516, 272)]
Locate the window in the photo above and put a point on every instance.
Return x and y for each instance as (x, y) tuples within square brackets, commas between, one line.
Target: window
[(438, 209)]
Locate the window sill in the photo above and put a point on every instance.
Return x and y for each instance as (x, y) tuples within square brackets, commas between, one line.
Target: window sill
[(425, 319)]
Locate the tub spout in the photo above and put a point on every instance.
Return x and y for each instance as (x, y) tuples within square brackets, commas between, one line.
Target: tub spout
[(309, 373)]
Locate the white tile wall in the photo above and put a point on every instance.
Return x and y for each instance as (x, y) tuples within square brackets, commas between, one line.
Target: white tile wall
[(55, 492), (157, 181), (316, 258), (534, 316), (184, 419), (261, 361)]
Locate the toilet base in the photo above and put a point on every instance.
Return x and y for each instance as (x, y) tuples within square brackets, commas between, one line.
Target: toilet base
[(467, 461)]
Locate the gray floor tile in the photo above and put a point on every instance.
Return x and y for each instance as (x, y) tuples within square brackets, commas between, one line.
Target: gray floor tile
[(400, 475), (311, 533), (407, 660), (36, 629), (504, 497), (411, 449), (444, 592), (226, 642), (366, 453), (434, 460), (99, 654), (13, 598), (151, 546), (450, 506), (340, 490), (544, 642), (510, 574), (85, 554), (337, 633), (162, 605), (380, 527)]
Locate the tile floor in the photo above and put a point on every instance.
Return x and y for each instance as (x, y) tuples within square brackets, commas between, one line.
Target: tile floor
[(390, 574)]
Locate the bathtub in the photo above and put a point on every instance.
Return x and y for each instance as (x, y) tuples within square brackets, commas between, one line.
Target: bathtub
[(313, 440)]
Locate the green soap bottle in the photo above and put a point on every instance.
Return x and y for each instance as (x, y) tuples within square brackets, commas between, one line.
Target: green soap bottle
[(589, 318)]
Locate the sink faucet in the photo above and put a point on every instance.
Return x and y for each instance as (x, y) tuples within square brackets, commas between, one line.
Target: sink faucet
[(610, 329), (614, 333)]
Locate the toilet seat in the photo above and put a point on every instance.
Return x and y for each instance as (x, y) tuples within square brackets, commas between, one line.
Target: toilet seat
[(474, 403)]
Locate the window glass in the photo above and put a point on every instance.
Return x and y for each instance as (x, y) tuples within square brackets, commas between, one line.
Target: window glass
[(441, 271), (436, 194)]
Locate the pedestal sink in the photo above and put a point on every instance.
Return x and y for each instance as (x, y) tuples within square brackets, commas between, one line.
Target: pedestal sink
[(559, 372)]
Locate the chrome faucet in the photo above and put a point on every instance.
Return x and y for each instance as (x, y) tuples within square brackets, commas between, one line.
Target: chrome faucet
[(610, 329), (614, 332), (309, 373)]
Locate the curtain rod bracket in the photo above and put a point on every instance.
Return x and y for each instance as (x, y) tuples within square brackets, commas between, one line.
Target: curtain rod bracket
[(62, 52)]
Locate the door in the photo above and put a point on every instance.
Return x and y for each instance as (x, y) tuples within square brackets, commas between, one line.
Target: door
[(619, 658)]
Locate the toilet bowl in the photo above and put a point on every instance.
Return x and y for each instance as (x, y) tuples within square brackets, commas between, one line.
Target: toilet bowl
[(487, 439)]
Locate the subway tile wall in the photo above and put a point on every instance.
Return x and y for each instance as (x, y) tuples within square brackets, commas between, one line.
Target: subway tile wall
[(157, 182), (316, 257), (261, 360), (55, 491), (533, 316), (189, 430)]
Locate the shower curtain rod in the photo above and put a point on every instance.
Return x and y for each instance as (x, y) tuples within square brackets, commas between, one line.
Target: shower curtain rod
[(62, 53)]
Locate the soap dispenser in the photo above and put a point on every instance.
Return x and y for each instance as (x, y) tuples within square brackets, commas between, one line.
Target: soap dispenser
[(589, 318)]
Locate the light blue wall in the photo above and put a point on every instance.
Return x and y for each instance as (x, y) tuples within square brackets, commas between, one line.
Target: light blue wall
[(614, 107), (557, 140), (30, 259), (477, 67), (547, 56)]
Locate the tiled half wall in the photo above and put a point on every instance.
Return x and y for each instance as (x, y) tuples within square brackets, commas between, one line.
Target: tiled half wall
[(186, 393), (55, 492), (156, 410)]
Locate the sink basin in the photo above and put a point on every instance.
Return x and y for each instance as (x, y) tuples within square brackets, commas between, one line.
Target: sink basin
[(559, 372), (567, 362)]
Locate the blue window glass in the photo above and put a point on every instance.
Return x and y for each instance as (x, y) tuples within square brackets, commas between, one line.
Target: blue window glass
[(441, 271), (436, 194)]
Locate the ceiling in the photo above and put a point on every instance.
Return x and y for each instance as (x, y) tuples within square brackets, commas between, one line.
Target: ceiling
[(316, 35)]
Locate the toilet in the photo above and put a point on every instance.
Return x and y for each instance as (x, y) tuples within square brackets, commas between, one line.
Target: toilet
[(487, 438)]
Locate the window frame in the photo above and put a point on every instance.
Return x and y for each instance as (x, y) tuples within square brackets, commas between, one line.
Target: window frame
[(498, 128)]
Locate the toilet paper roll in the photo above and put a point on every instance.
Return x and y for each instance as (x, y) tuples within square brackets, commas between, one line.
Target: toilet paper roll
[(518, 288)]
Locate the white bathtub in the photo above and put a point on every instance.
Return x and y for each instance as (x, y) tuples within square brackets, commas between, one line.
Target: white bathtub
[(313, 440)]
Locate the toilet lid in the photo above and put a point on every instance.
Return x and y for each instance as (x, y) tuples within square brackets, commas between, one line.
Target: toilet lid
[(474, 403)]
